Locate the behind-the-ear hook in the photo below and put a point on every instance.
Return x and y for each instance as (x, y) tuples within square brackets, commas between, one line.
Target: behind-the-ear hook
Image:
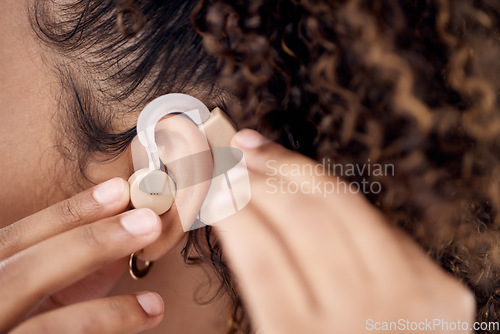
[(160, 107)]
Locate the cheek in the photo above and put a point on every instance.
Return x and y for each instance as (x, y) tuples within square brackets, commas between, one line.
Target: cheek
[(31, 180), (27, 106), (27, 183)]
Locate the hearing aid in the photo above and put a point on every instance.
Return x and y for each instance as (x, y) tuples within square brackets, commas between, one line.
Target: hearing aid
[(151, 186)]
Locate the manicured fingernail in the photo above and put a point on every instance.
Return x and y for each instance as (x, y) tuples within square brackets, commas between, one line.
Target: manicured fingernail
[(109, 191), (151, 303), (249, 139), (141, 221)]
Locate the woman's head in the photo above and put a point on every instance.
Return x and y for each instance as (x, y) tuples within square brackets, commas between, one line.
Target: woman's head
[(410, 84), (110, 59)]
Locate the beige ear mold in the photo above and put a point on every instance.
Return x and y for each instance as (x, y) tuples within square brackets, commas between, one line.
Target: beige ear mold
[(152, 189), (218, 129)]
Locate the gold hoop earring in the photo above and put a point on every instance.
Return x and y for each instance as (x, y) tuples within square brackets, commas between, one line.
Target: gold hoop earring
[(134, 270)]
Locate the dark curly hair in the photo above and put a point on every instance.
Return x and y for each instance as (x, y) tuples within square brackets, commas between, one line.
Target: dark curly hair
[(410, 83)]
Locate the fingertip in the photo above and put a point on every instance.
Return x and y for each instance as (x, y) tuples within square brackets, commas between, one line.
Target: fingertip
[(151, 303), (141, 222), (248, 139), (110, 191)]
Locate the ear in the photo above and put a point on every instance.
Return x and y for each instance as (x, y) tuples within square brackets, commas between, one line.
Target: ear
[(185, 151)]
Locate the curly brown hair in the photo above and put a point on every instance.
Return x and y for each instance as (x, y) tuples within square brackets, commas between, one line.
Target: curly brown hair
[(409, 83)]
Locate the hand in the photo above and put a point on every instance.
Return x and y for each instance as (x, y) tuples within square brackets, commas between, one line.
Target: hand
[(310, 263), (62, 258)]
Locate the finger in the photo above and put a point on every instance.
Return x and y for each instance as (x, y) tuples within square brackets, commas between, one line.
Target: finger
[(288, 172), (309, 231), (96, 285), (121, 314), (66, 258), (330, 253), (364, 227), (264, 156), (105, 200), (343, 223), (298, 172), (266, 273)]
